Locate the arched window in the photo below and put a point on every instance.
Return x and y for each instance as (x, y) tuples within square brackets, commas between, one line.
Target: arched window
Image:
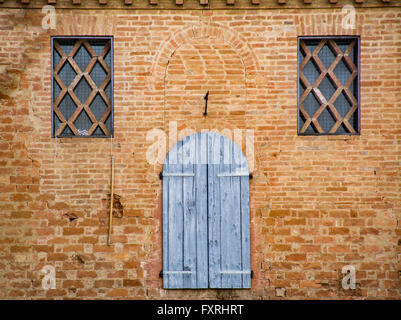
[(206, 214)]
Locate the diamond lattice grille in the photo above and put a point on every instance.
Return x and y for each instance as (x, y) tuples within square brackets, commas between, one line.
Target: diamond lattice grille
[(327, 81), (81, 72)]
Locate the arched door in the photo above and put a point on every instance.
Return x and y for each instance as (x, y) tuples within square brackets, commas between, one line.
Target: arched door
[(206, 214)]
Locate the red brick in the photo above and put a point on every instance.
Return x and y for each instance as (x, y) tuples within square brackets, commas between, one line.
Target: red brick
[(296, 257), (117, 293)]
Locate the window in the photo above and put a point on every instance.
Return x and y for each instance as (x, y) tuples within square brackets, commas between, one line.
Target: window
[(328, 85), (82, 87), (206, 214)]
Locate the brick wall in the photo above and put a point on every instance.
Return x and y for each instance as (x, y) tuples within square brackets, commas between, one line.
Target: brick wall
[(317, 203)]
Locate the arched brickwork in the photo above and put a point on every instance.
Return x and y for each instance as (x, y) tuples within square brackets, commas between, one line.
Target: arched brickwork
[(203, 31)]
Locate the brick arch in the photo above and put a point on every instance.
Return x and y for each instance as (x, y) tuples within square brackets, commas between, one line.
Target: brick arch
[(203, 31), (199, 66)]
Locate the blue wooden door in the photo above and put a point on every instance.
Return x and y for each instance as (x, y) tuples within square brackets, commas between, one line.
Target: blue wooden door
[(206, 214), (228, 215)]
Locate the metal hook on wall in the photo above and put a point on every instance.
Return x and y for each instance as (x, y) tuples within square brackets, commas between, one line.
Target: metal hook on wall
[(206, 97)]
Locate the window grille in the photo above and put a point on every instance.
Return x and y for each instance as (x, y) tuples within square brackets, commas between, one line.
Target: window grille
[(328, 85), (82, 77)]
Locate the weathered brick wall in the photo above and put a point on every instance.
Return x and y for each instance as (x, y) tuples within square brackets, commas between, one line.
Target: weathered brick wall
[(317, 203)]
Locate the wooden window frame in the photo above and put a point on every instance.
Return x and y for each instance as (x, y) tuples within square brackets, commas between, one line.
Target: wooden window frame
[(110, 73), (322, 74)]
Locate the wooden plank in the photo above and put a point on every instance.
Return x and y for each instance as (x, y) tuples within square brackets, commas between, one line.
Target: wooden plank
[(201, 210), (316, 58), (59, 49), (92, 128), (185, 174), (233, 174), (72, 127), (334, 78), (305, 82), (304, 112), (105, 116), (334, 111), (88, 78), (347, 116), (175, 220), (228, 219), (336, 94), (337, 51), (306, 92), (335, 126), (104, 129), (233, 218), (226, 215), (350, 96), (213, 212), (165, 222), (59, 114), (75, 81), (319, 47), (305, 126), (319, 111), (60, 129), (351, 78), (89, 48), (245, 227), (75, 66), (317, 126), (304, 47), (189, 213), (319, 80), (307, 57), (90, 114), (185, 217), (105, 97), (63, 89), (76, 113)]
